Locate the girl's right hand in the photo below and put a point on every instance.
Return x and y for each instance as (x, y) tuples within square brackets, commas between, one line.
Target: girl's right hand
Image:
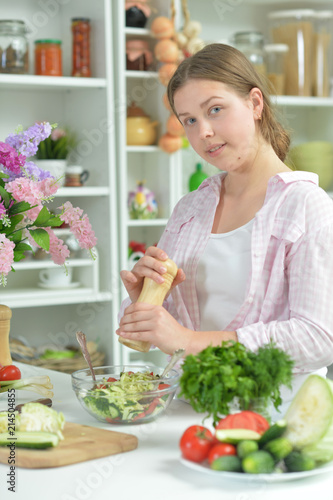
[(148, 266)]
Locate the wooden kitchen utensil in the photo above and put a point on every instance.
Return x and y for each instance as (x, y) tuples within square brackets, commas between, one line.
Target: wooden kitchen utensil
[(81, 443), (153, 293), (5, 316)]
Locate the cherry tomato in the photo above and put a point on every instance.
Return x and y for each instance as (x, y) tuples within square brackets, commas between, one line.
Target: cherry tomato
[(244, 420), (9, 372), (196, 442), (218, 450)]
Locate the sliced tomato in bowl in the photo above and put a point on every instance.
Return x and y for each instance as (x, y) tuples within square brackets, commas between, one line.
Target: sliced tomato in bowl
[(244, 420)]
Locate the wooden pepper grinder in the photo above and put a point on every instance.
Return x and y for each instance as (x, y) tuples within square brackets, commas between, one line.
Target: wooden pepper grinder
[(5, 316), (153, 293)]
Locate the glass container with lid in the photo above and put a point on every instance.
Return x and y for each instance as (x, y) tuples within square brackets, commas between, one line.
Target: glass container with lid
[(322, 52), (251, 44), (295, 28), (275, 54), (81, 47), (48, 57), (14, 49)]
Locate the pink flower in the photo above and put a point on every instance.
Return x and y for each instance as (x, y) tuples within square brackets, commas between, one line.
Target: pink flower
[(79, 226), (57, 133), (10, 158), (58, 250), (6, 255)]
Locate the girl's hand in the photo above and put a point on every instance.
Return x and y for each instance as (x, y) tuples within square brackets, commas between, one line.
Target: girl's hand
[(148, 266), (155, 325)]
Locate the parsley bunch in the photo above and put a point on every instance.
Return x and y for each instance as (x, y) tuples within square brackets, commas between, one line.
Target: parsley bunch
[(213, 378)]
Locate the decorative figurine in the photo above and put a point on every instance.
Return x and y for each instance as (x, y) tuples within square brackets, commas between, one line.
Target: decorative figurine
[(142, 203)]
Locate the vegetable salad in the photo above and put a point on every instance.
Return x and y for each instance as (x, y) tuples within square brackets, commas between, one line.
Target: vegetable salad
[(130, 399)]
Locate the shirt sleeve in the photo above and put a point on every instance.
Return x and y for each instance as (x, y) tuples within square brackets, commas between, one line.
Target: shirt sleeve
[(308, 333)]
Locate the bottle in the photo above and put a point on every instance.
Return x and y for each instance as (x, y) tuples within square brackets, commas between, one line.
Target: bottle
[(14, 49), (81, 47), (197, 177), (48, 57)]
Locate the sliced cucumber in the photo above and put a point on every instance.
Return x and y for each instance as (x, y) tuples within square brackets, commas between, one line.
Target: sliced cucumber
[(258, 462), (230, 463), (273, 432), (25, 439), (234, 436), (310, 419)]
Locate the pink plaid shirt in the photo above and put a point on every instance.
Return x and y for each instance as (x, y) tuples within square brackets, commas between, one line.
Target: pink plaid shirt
[(289, 295)]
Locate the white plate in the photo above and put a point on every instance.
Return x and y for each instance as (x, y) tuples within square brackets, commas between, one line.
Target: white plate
[(64, 287), (264, 478)]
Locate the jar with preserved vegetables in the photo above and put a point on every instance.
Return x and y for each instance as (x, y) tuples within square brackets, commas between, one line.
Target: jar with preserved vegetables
[(81, 47), (48, 57), (14, 49), (251, 44)]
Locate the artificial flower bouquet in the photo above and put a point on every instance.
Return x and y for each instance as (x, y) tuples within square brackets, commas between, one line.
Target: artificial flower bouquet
[(25, 189)]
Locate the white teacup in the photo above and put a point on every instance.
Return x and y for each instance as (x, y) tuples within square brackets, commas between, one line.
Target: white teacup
[(56, 277)]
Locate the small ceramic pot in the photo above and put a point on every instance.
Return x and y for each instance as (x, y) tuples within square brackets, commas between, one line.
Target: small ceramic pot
[(141, 131), (138, 55)]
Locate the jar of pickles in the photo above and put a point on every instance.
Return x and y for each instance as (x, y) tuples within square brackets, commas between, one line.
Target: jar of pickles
[(81, 47), (48, 57), (14, 51)]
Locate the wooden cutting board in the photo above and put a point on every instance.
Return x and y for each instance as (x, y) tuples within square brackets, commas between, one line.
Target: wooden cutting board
[(81, 443)]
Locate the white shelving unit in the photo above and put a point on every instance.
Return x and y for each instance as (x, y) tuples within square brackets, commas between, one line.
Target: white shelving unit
[(86, 106)]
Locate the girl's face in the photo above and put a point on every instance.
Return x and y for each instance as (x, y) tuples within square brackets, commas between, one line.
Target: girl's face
[(219, 124)]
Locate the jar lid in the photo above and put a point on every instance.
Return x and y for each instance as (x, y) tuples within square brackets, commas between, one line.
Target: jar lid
[(323, 14), (298, 13), (248, 36), (74, 169), (48, 40), (78, 19), (14, 25), (276, 47)]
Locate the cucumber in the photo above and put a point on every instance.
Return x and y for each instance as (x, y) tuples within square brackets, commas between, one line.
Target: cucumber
[(234, 436), (26, 439), (274, 431), (279, 448), (258, 462), (230, 463), (297, 461), (246, 447)]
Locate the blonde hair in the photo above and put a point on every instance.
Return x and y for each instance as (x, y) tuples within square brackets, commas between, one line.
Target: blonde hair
[(228, 65)]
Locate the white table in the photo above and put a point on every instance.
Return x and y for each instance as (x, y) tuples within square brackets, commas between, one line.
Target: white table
[(151, 472)]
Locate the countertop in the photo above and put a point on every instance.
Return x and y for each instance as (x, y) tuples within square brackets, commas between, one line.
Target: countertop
[(151, 472)]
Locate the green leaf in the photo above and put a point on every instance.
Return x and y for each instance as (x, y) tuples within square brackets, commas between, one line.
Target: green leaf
[(18, 256), (43, 217), (3, 175), (5, 196), (55, 222), (20, 206), (14, 221), (22, 247), (16, 237), (41, 237)]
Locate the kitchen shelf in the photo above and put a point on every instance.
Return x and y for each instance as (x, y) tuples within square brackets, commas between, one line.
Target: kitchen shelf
[(137, 31), (143, 149), (37, 82), (287, 100), (83, 191), (147, 222), (43, 264), (141, 74), (36, 297)]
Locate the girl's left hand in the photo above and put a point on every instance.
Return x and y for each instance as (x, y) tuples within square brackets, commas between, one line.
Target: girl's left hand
[(154, 324)]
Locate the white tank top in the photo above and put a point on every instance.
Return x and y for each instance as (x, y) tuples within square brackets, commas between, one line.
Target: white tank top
[(222, 275)]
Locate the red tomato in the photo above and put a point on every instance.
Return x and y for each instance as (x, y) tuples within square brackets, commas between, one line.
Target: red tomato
[(9, 372), (244, 420), (196, 442), (218, 450)]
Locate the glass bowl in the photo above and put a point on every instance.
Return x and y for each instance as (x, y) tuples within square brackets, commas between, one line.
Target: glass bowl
[(135, 399)]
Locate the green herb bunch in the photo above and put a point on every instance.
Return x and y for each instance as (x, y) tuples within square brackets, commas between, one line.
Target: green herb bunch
[(213, 378), (57, 146)]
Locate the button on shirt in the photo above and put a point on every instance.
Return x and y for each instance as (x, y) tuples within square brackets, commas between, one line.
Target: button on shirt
[(289, 293)]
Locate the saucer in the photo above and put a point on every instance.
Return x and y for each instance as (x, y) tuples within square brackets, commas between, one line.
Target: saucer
[(59, 287)]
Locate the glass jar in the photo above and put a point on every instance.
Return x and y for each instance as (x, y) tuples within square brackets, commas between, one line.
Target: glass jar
[(322, 53), (48, 57), (251, 43), (14, 49), (275, 54), (81, 47), (296, 29)]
